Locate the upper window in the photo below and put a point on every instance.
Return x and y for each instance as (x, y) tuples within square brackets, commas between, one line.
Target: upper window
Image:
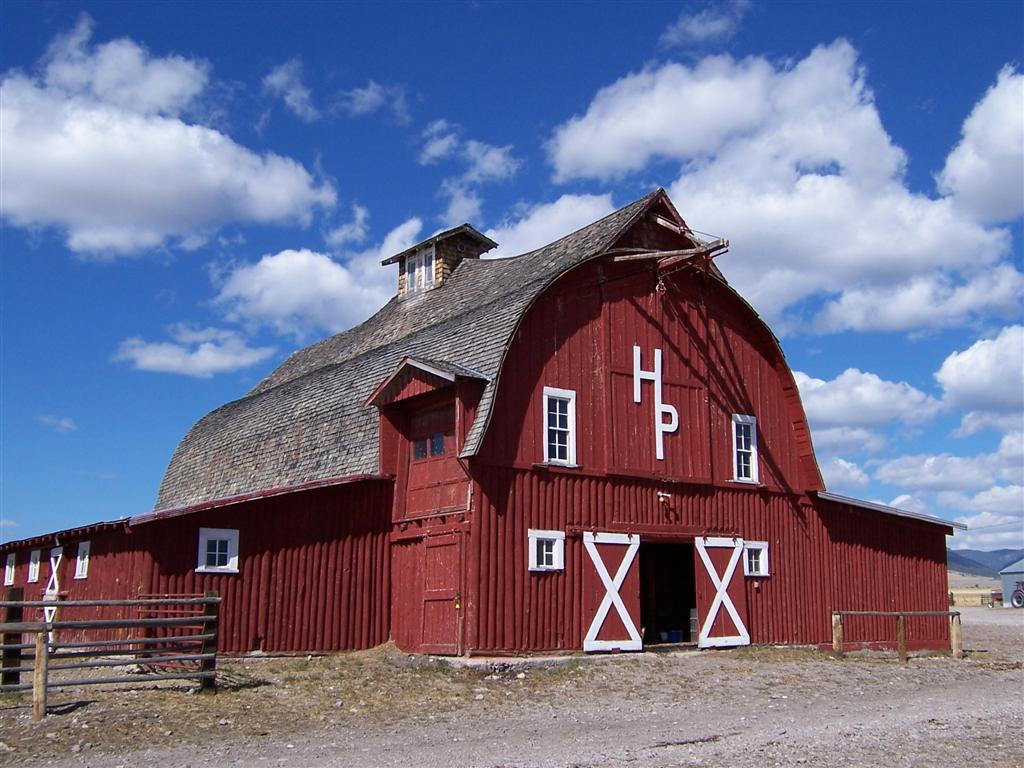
[(12, 559), (33, 564), (559, 426), (82, 560), (218, 550), (744, 448), (547, 550), (755, 558), (419, 270)]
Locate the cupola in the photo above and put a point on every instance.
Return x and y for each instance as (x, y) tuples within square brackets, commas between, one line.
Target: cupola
[(428, 264)]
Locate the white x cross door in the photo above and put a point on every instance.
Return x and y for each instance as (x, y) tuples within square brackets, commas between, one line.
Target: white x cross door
[(721, 585), (612, 596), (53, 587)]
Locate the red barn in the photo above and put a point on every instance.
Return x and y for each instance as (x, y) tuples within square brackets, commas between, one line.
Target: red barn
[(596, 445)]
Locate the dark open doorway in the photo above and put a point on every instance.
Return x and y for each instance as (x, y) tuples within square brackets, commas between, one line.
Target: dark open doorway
[(668, 592)]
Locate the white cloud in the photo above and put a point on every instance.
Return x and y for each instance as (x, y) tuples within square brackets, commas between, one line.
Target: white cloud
[(987, 381), (285, 82), (441, 139), (488, 163), (6, 523), (59, 423), (911, 503), (791, 162), (840, 474), (540, 224), (856, 398), (715, 23), (374, 97), (997, 500), (984, 174), (463, 204), (300, 291), (839, 440), (947, 472), (93, 146), (199, 352), (354, 231)]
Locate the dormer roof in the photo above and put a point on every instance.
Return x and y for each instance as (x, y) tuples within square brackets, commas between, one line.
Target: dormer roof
[(485, 243)]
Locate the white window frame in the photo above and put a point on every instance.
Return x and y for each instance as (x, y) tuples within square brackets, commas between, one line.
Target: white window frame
[(418, 275), (207, 534), (82, 560), (751, 421), (569, 396), (762, 546), (9, 566), (34, 558), (558, 537)]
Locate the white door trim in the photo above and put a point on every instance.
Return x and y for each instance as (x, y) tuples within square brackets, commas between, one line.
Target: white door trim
[(722, 598), (612, 596)]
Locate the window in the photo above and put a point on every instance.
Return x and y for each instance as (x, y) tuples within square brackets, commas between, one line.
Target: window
[(12, 559), (755, 558), (744, 448), (559, 426), (218, 550), (33, 565), (547, 550), (419, 271), (82, 560)]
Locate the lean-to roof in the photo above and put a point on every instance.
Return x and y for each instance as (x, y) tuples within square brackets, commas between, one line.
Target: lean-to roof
[(307, 421)]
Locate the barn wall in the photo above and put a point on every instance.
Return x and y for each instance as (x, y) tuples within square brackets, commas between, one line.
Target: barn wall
[(820, 558)]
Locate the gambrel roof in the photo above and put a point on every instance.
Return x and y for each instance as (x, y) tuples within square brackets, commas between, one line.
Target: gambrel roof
[(307, 420)]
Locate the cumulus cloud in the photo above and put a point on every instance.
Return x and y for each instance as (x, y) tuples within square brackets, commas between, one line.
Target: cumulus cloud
[(297, 292), (374, 97), (987, 381), (198, 352), (94, 145), (840, 440), (440, 140), (285, 82), (59, 423), (857, 398), (354, 231), (948, 472), (842, 475), (714, 23), (984, 174), (791, 162), (537, 225)]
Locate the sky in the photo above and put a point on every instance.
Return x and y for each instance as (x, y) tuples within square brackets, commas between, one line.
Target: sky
[(190, 192)]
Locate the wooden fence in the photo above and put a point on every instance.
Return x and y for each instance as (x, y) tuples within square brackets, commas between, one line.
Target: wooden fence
[(955, 634), (156, 646)]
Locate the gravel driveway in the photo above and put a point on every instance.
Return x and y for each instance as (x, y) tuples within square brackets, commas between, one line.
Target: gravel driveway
[(747, 707)]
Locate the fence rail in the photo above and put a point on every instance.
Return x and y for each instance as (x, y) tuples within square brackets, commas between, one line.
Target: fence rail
[(955, 630), (177, 637)]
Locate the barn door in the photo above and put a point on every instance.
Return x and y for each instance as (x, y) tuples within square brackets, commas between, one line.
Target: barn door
[(721, 599), (611, 592), (441, 626)]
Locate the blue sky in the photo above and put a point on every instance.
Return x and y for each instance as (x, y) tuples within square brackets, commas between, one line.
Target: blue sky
[(189, 192)]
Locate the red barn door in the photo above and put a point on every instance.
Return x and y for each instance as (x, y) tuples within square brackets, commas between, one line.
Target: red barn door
[(721, 599), (441, 600), (611, 592)]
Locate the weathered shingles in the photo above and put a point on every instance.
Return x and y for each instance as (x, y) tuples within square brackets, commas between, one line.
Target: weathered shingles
[(306, 421)]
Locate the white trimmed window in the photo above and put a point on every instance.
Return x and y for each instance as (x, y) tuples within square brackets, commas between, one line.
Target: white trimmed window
[(755, 558), (547, 550), (33, 564), (559, 426), (12, 560), (82, 560), (419, 271), (744, 448), (218, 550)]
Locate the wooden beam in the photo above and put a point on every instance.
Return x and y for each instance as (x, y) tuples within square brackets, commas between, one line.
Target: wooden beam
[(39, 678), (837, 633)]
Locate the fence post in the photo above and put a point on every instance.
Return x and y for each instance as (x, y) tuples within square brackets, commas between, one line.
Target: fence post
[(901, 637), (210, 627), (11, 657), (837, 633), (39, 676), (956, 642)]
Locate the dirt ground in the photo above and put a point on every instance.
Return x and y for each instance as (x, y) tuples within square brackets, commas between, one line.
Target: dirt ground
[(746, 707)]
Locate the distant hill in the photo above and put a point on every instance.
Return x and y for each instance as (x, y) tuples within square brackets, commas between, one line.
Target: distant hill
[(979, 563)]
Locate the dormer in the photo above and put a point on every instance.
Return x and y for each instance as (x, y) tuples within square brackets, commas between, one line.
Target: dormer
[(428, 264)]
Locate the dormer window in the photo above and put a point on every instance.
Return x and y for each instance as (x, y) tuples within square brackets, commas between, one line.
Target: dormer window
[(419, 270)]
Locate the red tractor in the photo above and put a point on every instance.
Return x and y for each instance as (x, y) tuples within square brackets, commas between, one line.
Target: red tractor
[(1017, 598)]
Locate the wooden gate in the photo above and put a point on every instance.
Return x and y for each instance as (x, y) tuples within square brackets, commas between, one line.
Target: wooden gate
[(611, 592), (721, 599)]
